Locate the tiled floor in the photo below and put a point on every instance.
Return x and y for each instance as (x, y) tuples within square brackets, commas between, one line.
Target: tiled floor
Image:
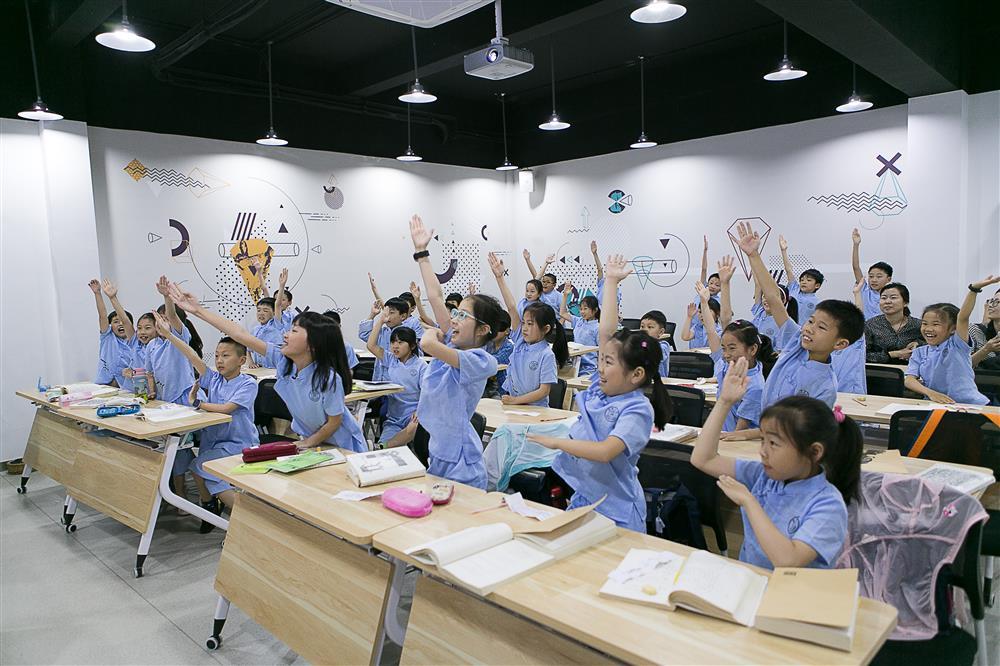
[(71, 598)]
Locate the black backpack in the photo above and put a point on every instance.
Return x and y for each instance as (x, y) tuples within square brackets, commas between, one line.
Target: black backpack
[(672, 514)]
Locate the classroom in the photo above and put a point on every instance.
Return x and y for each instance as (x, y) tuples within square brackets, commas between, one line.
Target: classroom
[(500, 331)]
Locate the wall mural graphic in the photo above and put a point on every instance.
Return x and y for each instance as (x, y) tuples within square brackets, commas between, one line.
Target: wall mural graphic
[(619, 201), (757, 224), (198, 182), (887, 200), (668, 267)]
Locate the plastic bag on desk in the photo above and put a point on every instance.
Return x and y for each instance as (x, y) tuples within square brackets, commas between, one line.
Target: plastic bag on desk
[(510, 452)]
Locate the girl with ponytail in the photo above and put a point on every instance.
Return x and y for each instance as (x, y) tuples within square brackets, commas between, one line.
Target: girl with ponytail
[(616, 419), (794, 500)]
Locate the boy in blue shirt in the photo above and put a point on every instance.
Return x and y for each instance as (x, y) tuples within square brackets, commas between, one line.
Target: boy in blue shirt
[(804, 289), (117, 332), (222, 390), (879, 275), (395, 313), (268, 329)]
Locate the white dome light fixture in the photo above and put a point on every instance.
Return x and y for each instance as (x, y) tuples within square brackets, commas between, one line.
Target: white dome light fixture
[(642, 141), (409, 155), (553, 123), (123, 38), (38, 110), (416, 94), (507, 164), (658, 11), (785, 71), (271, 138), (854, 102)]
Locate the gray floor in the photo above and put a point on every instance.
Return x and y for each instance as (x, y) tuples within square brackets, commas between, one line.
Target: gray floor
[(71, 598)]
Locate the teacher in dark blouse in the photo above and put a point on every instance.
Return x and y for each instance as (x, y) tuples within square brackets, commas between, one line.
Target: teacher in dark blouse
[(893, 335)]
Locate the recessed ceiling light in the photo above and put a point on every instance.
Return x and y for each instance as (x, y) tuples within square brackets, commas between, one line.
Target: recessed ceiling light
[(658, 11)]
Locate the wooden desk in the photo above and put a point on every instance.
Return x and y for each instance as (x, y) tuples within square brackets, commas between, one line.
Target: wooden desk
[(556, 615), (301, 564), (868, 411), (124, 479), (498, 414), (260, 373)]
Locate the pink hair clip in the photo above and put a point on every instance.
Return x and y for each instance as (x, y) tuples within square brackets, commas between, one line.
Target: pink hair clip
[(838, 414), (644, 343)]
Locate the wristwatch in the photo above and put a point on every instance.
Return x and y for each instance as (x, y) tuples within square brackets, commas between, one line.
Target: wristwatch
[(197, 403), (417, 256), (971, 288)]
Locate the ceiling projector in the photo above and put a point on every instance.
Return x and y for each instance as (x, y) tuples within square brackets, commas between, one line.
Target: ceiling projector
[(498, 61)]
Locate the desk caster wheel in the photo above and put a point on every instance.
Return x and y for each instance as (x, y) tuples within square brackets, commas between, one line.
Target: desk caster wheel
[(70, 528), (136, 572), (21, 491), (214, 642)]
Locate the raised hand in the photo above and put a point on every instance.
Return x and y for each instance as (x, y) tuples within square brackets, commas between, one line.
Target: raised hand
[(420, 235), (985, 282), (734, 386), (856, 236), (471, 289), (617, 268), (95, 286), (858, 285), (162, 284), (549, 259), (185, 300), (727, 267), (702, 290), (371, 281), (526, 254), (692, 309), (431, 335), (593, 247), (782, 244), (415, 290), (705, 239), (376, 309), (747, 239), (496, 265), (193, 395), (734, 490), (567, 287), (283, 279), (162, 325)]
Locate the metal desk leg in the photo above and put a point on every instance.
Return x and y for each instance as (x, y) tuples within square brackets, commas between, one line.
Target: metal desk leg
[(169, 454), (69, 511), (147, 536), (391, 628), (214, 641), (25, 473)]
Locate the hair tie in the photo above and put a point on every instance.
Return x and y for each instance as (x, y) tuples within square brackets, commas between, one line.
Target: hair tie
[(643, 343), (838, 414)]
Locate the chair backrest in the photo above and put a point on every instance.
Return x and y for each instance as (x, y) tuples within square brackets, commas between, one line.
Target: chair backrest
[(268, 404), (691, 365), (689, 405), (422, 439), (988, 382), (630, 324), (884, 381), (672, 330), (959, 437), (557, 394), (364, 370)]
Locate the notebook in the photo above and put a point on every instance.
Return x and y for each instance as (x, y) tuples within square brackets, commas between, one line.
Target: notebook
[(965, 480), (813, 605), (384, 466), (481, 558), (166, 412), (701, 582), (675, 433), (363, 385), (894, 407)]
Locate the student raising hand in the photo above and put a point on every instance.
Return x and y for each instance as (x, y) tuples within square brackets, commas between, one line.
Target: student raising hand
[(185, 300), (734, 386), (496, 264), (162, 325), (95, 286), (618, 268), (748, 239), (419, 234)]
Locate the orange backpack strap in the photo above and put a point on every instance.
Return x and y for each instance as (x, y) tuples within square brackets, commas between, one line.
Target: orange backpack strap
[(926, 432)]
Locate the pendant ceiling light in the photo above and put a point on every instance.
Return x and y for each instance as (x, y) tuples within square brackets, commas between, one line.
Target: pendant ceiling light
[(553, 123), (507, 164), (416, 94), (854, 102), (271, 138), (123, 38), (658, 11), (409, 155), (38, 110), (642, 141), (785, 71)]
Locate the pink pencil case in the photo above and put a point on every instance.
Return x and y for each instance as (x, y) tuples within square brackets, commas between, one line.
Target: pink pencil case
[(407, 502)]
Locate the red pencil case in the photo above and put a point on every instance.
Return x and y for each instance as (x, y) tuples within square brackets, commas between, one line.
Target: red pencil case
[(269, 451)]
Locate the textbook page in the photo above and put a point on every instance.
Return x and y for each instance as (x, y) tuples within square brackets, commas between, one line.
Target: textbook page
[(448, 549)]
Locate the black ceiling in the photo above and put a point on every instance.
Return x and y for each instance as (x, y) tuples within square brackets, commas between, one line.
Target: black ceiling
[(338, 72)]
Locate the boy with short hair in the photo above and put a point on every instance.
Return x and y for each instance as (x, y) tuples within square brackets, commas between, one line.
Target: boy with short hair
[(268, 329), (804, 289), (117, 333)]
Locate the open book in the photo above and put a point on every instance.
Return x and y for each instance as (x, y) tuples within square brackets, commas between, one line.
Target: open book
[(364, 385), (675, 433), (968, 481), (166, 412), (814, 605), (384, 466), (481, 558), (701, 582)]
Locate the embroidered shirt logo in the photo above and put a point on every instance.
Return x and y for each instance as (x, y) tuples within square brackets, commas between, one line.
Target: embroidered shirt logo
[(533, 366), (611, 414), (793, 525)]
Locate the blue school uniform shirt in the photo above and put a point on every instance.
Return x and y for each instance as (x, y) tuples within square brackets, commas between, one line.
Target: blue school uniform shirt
[(849, 367), (795, 374), (586, 333), (401, 406), (352, 356), (502, 355), (522, 304), (553, 299), (365, 331), (947, 368), (629, 417), (765, 324), (273, 332), (309, 408), (600, 293), (531, 365), (239, 433), (870, 299), (810, 510), (172, 371), (113, 356), (748, 407), (700, 338), (448, 399), (807, 302), (665, 363)]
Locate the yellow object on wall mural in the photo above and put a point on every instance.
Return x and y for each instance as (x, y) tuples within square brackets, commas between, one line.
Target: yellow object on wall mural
[(253, 259)]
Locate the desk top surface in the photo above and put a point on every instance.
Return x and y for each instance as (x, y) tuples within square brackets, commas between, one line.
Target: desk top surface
[(308, 495), (498, 414), (270, 373), (130, 426)]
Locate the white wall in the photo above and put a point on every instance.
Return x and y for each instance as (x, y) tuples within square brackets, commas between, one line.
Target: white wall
[(49, 252)]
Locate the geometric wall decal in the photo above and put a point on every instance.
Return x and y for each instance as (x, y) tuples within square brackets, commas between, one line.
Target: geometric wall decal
[(185, 242), (197, 182), (758, 225), (584, 222), (619, 200), (667, 268)]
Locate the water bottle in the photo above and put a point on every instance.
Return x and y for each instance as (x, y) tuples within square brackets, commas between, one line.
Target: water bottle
[(140, 383)]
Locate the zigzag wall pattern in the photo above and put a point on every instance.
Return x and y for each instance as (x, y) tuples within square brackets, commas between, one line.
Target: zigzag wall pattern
[(172, 178), (859, 201)]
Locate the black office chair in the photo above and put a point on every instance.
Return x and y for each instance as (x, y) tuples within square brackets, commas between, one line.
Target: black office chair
[(364, 370), (268, 406), (557, 394), (661, 461), (421, 438), (671, 329), (691, 365), (689, 405), (884, 381), (630, 324), (988, 383)]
